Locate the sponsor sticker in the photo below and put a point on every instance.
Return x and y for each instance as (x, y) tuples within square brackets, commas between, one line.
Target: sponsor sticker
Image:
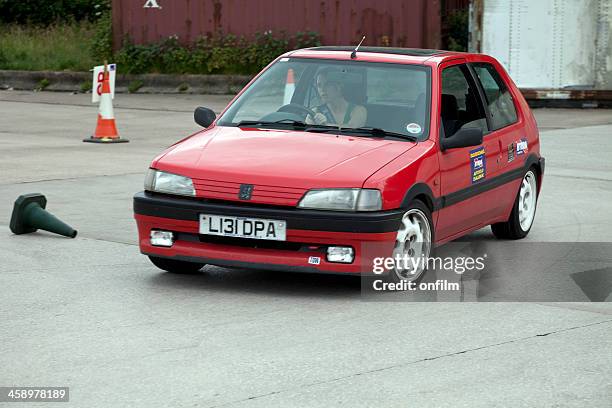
[(478, 164), (510, 152), (521, 147), (413, 128), (314, 260)]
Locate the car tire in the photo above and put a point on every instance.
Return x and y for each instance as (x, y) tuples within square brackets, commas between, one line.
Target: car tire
[(176, 266), (523, 212), (416, 214)]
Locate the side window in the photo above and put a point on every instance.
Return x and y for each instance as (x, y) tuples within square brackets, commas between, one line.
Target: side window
[(499, 99), (461, 105)]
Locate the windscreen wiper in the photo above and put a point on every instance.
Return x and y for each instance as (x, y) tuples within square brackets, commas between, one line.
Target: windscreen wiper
[(377, 132), (292, 122), (321, 128)]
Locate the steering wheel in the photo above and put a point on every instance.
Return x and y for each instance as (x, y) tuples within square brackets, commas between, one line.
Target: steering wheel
[(297, 109)]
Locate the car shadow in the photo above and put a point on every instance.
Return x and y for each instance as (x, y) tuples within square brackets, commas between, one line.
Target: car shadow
[(276, 283)]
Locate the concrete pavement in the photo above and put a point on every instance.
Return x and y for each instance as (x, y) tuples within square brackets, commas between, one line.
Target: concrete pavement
[(95, 315)]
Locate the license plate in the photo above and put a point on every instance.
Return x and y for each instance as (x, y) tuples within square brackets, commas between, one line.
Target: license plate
[(241, 227)]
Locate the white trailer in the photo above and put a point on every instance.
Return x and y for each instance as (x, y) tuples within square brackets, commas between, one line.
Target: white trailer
[(553, 49)]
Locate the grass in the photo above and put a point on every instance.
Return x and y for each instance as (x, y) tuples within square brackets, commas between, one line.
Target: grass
[(44, 83), (135, 85), (54, 48)]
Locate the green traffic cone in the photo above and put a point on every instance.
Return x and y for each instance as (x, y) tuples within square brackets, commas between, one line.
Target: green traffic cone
[(29, 215)]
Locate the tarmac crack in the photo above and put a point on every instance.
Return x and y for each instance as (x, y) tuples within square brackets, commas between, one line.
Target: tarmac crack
[(108, 240), (488, 346)]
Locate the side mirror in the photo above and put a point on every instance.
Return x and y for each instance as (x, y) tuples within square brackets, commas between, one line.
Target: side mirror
[(463, 138), (204, 116)]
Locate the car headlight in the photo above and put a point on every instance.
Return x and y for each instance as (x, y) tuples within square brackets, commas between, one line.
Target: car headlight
[(162, 182), (345, 199)]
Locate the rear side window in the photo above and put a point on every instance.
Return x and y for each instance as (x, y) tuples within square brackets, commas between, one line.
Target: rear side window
[(499, 99)]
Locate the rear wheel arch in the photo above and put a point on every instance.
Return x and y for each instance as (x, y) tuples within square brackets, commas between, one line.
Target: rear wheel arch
[(524, 208), (539, 169), (536, 163)]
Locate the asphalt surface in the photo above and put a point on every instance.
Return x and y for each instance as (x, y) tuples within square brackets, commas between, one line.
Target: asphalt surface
[(93, 314)]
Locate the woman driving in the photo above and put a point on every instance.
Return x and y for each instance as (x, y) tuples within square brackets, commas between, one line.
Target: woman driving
[(335, 110)]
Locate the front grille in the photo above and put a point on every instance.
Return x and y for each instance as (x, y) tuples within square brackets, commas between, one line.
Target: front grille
[(226, 190)]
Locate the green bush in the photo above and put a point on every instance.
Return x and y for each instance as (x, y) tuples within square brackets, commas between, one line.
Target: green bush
[(218, 54), (60, 47), (46, 12), (42, 84), (458, 27), (101, 47), (135, 85), (85, 86)]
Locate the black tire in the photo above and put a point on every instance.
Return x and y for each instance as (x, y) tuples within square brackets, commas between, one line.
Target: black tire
[(421, 206), (176, 266), (512, 229)]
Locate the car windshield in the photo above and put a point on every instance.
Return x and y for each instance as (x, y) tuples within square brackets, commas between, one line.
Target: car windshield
[(374, 99)]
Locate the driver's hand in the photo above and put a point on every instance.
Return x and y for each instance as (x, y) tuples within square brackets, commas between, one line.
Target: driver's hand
[(320, 119)]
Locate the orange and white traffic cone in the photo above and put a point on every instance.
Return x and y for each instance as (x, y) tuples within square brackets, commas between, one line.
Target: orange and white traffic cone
[(106, 130), (289, 87)]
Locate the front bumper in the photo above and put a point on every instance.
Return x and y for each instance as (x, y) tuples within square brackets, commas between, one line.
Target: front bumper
[(309, 232)]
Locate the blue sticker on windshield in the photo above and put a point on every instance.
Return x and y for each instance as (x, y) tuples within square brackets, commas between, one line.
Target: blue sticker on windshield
[(478, 164)]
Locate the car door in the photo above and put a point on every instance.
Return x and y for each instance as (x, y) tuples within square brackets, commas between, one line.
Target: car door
[(465, 170), (506, 126)]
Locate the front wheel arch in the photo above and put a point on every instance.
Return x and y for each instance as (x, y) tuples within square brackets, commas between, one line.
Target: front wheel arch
[(421, 192)]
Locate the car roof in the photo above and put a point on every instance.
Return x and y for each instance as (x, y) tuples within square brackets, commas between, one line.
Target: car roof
[(377, 54), (415, 52)]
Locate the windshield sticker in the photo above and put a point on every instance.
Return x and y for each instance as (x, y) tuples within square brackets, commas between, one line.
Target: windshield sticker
[(510, 152), (521, 147), (478, 164), (413, 128)]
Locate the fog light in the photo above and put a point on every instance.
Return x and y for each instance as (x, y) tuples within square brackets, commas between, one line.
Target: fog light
[(340, 254), (162, 238)]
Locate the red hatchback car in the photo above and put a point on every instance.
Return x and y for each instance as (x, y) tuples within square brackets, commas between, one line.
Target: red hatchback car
[(329, 150)]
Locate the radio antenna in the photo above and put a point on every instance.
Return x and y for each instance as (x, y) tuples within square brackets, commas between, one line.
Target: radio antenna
[(354, 53)]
